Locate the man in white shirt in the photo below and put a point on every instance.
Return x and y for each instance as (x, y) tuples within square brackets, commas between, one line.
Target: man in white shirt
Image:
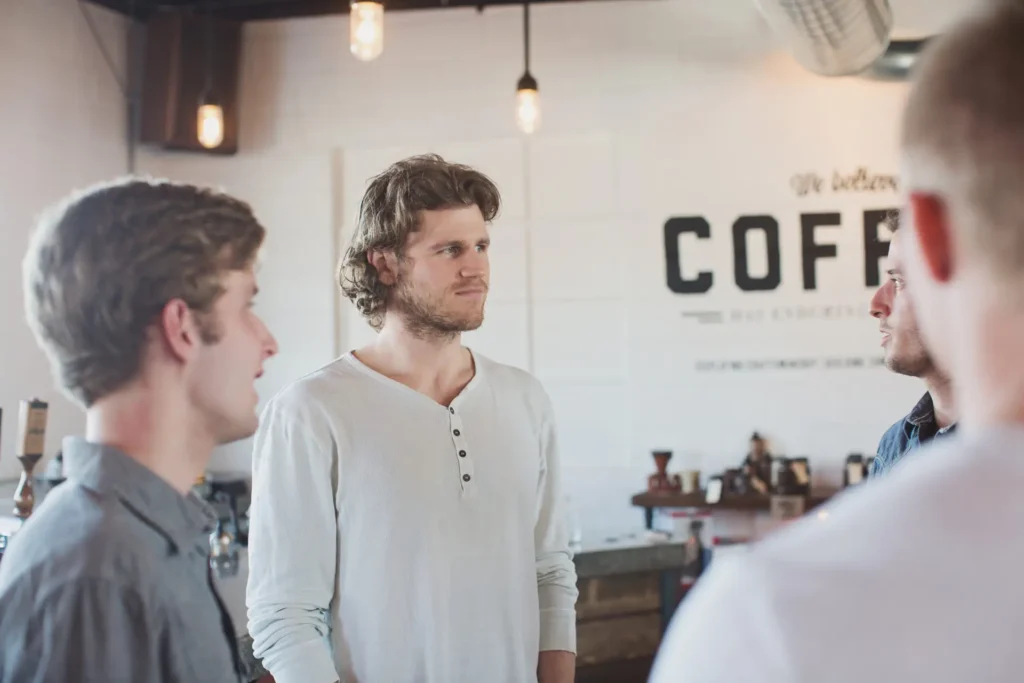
[(915, 577), (405, 520)]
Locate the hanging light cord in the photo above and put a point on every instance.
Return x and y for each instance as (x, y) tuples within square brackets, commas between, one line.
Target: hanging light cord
[(128, 86), (209, 54), (526, 34), (103, 50)]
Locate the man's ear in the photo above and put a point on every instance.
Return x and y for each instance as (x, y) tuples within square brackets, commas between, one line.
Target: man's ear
[(931, 231), (386, 265), (179, 329)]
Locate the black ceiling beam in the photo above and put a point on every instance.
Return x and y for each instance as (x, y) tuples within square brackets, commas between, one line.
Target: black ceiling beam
[(140, 9), (256, 10)]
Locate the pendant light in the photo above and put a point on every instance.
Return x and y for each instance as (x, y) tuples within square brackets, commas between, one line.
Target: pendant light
[(210, 115), (366, 30), (527, 99)]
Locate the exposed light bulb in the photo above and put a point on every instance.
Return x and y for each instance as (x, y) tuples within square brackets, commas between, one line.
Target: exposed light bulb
[(210, 124), (527, 104), (366, 30), (528, 110)]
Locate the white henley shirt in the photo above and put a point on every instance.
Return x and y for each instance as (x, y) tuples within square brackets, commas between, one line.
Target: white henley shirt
[(396, 540)]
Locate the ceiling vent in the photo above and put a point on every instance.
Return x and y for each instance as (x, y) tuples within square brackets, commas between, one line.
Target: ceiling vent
[(898, 60), (832, 37)]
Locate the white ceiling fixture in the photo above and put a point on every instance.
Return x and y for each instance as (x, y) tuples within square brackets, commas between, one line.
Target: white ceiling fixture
[(832, 37)]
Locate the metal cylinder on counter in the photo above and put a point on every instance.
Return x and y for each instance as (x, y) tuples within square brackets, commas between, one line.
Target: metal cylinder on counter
[(32, 417)]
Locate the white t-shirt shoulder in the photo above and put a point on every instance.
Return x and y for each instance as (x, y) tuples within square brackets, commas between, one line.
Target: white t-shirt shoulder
[(508, 381), (911, 577)]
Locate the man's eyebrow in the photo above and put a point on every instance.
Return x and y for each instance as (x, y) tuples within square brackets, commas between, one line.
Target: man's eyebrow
[(486, 241)]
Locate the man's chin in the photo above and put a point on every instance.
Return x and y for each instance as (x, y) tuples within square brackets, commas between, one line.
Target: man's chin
[(892, 361), (904, 366), (240, 430), (464, 323), (470, 325)]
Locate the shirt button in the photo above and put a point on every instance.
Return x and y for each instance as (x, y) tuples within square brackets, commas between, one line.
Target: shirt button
[(465, 477), (451, 410), (462, 454), (456, 432)]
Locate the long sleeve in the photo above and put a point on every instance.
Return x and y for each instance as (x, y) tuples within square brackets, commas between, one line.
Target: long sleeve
[(292, 541), (556, 572)]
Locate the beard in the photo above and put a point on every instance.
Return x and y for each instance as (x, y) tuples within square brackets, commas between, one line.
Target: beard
[(913, 362), (427, 316)]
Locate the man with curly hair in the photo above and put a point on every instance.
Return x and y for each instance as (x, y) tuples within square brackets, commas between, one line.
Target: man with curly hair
[(405, 524)]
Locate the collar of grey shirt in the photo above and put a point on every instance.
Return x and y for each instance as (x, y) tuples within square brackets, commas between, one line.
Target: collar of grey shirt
[(108, 471)]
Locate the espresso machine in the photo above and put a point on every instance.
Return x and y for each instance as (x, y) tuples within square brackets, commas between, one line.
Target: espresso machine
[(226, 493)]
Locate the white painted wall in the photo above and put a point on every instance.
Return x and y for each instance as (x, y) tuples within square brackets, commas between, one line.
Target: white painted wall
[(651, 109), (62, 125)]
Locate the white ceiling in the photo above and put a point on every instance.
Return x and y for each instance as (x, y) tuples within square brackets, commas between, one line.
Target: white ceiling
[(919, 18), (913, 18)]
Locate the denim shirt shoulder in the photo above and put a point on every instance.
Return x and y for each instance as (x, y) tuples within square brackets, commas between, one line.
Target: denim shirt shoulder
[(916, 427), (894, 443)]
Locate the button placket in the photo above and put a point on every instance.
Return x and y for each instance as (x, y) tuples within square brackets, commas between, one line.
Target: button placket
[(463, 456)]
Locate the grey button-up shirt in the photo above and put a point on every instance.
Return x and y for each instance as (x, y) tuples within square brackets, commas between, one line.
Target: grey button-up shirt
[(109, 580)]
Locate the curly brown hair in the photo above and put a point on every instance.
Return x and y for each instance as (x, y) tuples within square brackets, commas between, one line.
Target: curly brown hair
[(390, 210), (103, 263)]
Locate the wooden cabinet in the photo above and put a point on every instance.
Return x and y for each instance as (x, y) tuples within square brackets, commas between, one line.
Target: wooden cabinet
[(626, 599)]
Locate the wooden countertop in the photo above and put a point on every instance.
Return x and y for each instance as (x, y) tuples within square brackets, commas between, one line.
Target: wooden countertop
[(747, 502)]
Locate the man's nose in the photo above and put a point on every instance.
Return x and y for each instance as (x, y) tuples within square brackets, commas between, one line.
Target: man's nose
[(269, 343), (474, 266), (880, 302)]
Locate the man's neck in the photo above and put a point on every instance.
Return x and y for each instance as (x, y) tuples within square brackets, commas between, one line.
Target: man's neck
[(437, 366), (991, 392), (154, 432), (943, 404)]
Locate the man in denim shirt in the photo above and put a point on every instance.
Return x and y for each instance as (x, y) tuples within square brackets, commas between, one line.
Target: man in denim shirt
[(905, 353)]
